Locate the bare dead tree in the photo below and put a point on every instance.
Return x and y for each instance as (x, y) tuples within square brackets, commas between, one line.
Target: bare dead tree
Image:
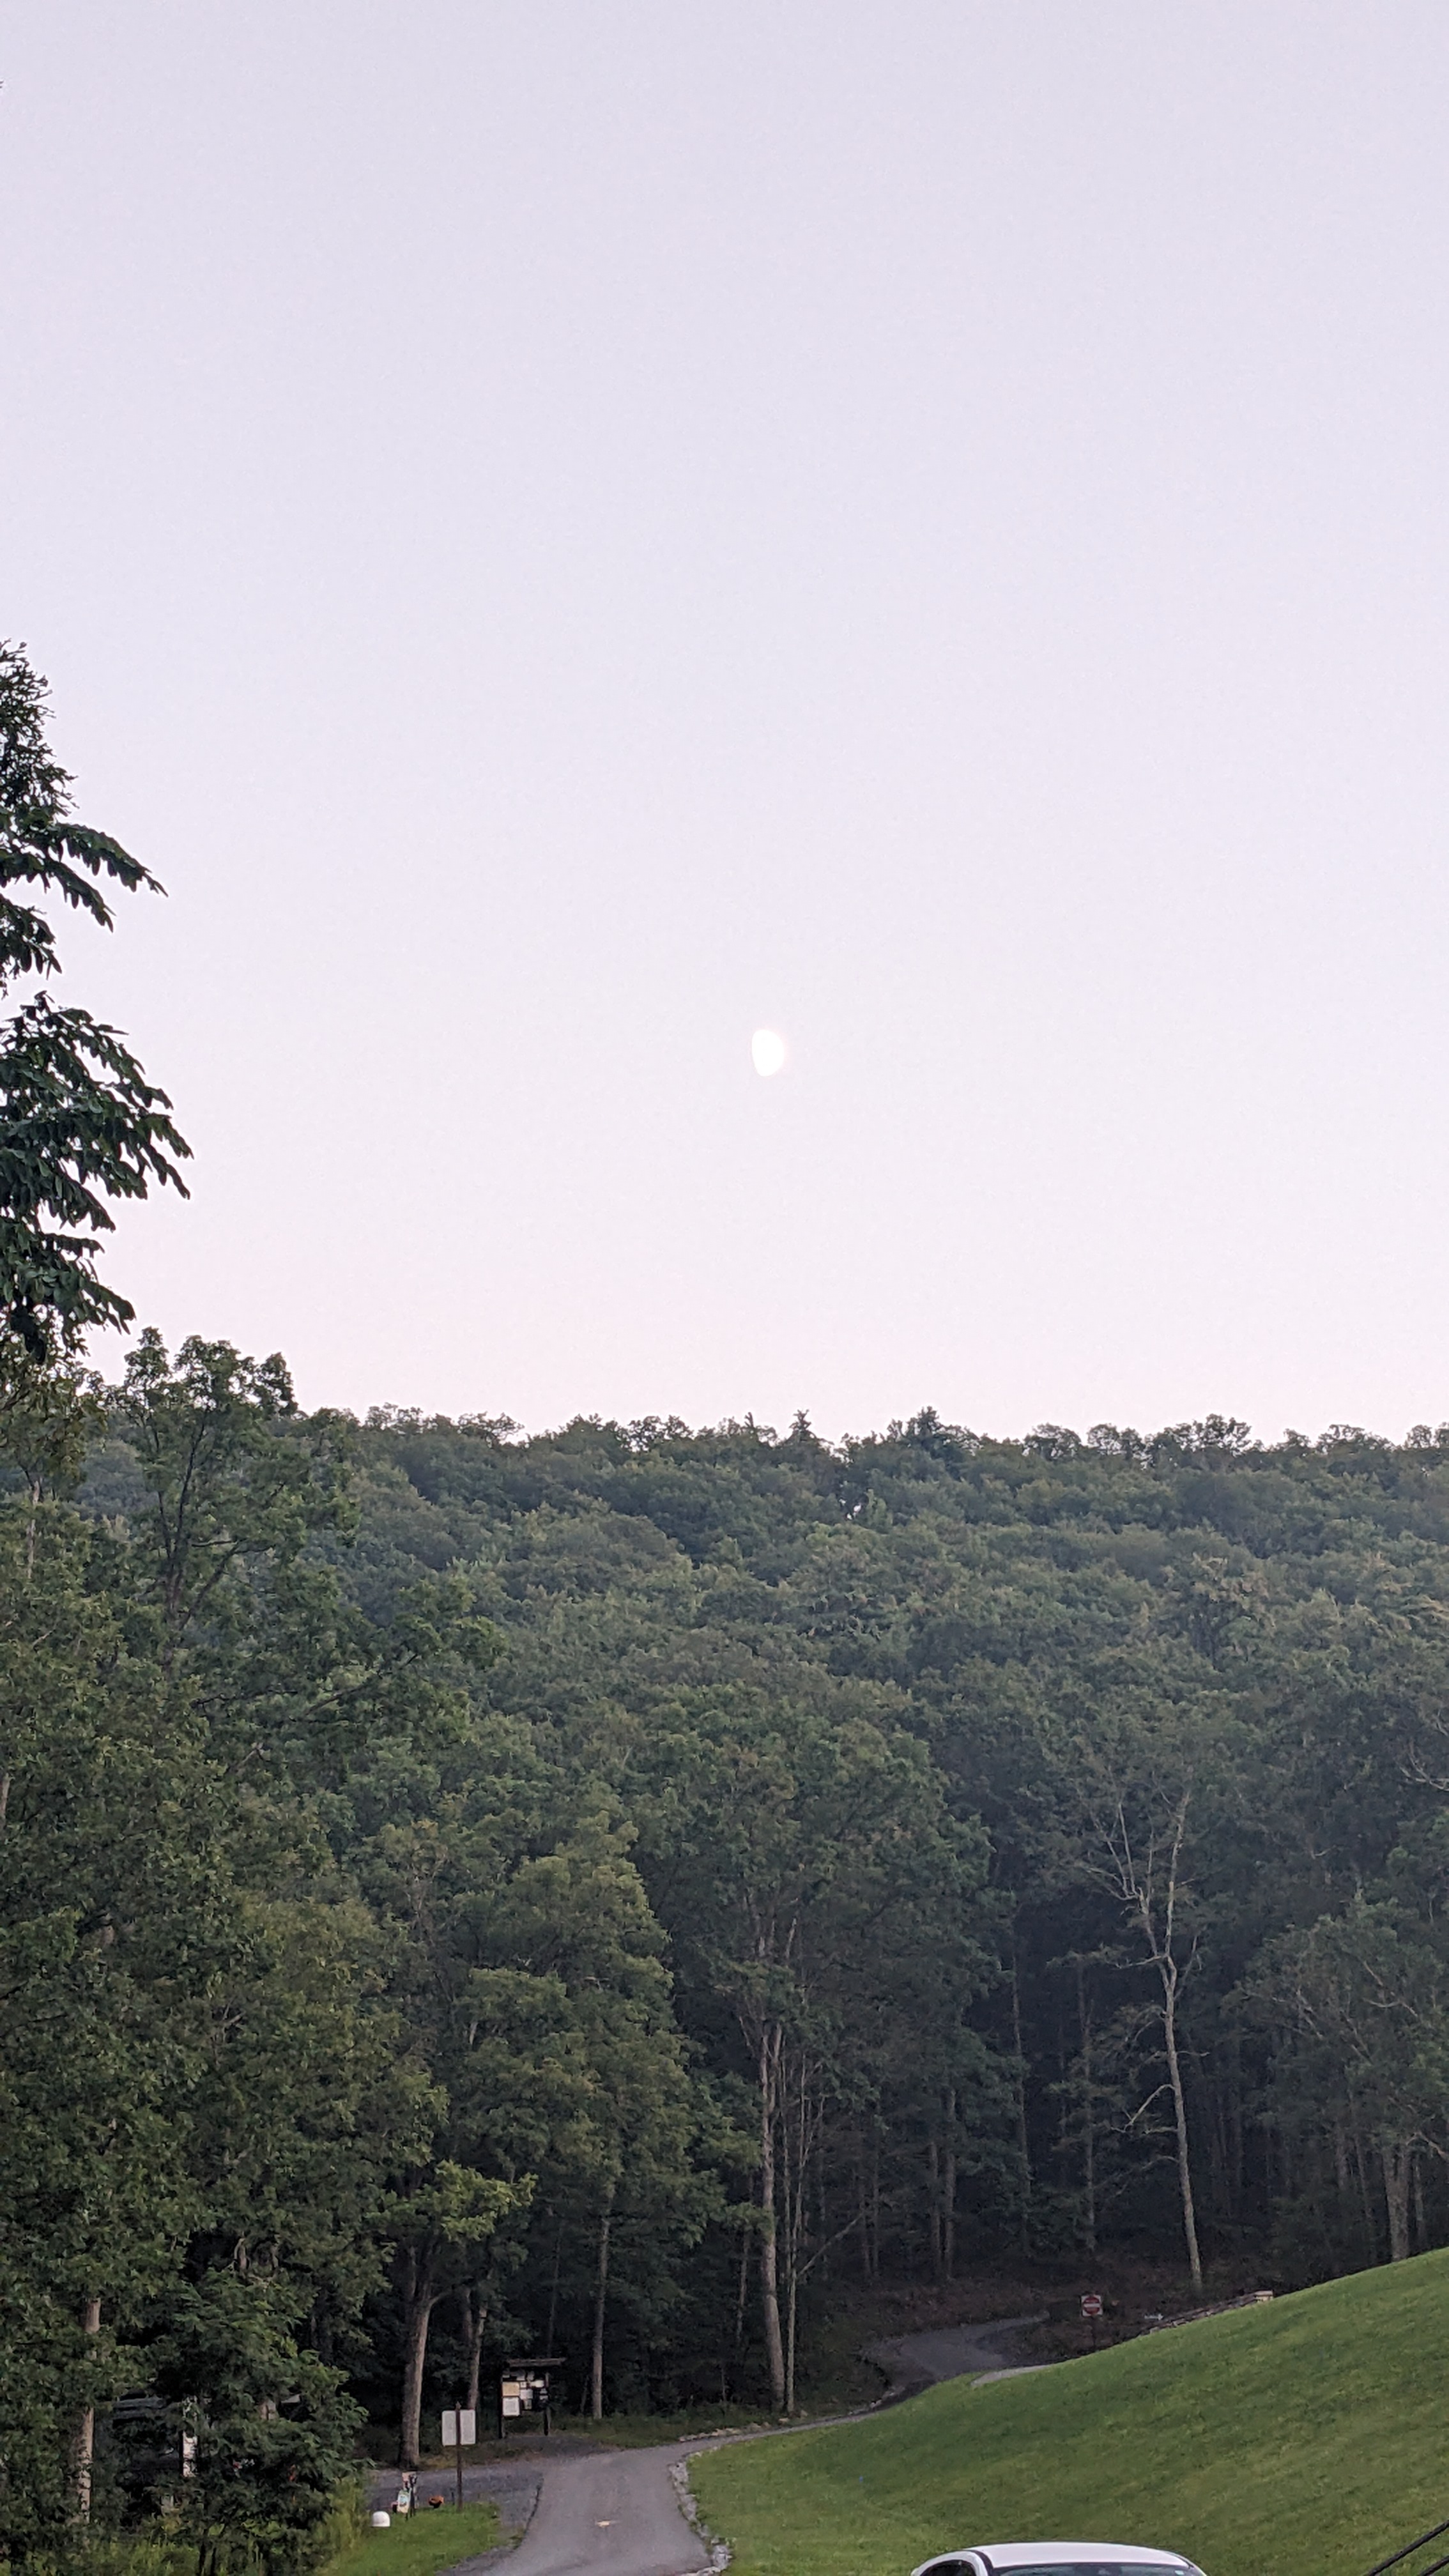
[(1147, 1882)]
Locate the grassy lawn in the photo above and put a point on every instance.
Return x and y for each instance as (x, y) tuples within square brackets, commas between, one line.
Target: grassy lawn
[(1308, 2438), (419, 2544)]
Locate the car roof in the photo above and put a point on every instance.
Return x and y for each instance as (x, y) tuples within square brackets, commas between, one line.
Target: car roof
[(1008, 2554)]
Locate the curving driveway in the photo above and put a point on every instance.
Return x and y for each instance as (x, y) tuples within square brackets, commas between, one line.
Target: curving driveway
[(613, 2513), (916, 2361), (590, 2512), (610, 2513)]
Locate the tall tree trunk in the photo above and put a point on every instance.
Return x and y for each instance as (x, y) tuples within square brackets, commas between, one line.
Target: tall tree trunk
[(1168, 1969), (948, 2189), (84, 2451), (875, 2201), (742, 2292), (1397, 2160), (553, 2286), (1370, 2223), (770, 2044), (1235, 2122), (1159, 1933), (601, 2293), (1089, 2118), (933, 2203), (419, 2300), (796, 2143), (475, 2326), (1023, 2144)]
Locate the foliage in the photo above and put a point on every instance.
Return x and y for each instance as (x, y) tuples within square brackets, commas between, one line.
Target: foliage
[(272, 2426), (79, 1122), (618, 1892)]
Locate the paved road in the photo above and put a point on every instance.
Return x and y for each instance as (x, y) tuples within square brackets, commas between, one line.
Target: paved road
[(616, 2513), (613, 2513), (916, 2361)]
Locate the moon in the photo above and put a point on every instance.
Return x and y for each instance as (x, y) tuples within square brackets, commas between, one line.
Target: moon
[(767, 1051)]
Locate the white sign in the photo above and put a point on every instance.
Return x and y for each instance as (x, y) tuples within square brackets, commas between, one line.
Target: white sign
[(460, 2428)]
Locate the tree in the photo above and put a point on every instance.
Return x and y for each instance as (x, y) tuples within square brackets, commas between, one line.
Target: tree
[(627, 2172), (819, 1854), (205, 2090), (272, 2428), (108, 1932), (441, 2214), (79, 1122), (1362, 2002)]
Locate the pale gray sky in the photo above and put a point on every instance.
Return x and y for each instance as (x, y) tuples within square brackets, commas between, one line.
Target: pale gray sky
[(567, 532)]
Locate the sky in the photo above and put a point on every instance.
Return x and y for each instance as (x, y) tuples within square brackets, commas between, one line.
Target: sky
[(568, 535)]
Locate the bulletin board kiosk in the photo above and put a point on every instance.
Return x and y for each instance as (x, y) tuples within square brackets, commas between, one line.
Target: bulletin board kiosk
[(525, 2396)]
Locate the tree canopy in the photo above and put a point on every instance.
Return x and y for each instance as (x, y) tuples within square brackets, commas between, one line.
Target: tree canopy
[(624, 1891), (80, 1124)]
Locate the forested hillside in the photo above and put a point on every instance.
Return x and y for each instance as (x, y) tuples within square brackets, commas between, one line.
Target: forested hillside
[(1060, 1824), (606, 1892)]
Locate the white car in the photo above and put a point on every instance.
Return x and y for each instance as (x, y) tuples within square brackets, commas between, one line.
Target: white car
[(1056, 2558)]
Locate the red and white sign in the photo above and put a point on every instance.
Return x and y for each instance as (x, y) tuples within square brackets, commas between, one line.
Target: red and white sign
[(1091, 2304)]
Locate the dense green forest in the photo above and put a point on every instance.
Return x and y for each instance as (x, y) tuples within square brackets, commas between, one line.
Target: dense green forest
[(607, 1892), (624, 1891)]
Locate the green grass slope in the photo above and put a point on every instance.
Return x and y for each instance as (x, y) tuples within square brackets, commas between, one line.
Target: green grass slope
[(1308, 2438)]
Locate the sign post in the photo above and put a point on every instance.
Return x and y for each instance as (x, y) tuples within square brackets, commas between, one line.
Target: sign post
[(1091, 2310), (460, 2432)]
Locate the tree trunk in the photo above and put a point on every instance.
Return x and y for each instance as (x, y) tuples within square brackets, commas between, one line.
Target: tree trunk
[(948, 2190), (84, 2452), (1159, 1935), (1235, 2123), (1089, 2120), (1397, 2161), (1023, 2143), (770, 2044), (553, 2288), (601, 2291), (1168, 1969), (874, 2239), (1370, 2223), (475, 2326), (742, 2293), (796, 2131), (419, 2300), (933, 2204)]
